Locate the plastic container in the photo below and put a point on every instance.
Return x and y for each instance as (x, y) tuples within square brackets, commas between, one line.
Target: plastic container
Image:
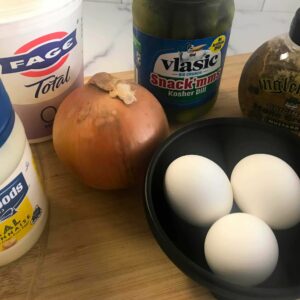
[(269, 89), (41, 58), (179, 51), (23, 205)]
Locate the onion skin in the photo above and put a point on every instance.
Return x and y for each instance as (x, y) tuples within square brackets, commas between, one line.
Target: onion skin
[(105, 142)]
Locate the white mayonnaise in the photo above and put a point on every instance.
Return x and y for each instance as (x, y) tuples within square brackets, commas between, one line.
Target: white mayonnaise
[(23, 205)]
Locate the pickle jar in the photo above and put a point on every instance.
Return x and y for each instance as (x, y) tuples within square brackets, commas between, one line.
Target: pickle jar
[(179, 52)]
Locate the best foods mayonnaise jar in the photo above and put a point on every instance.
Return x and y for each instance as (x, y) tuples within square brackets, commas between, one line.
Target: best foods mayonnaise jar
[(23, 205), (41, 58)]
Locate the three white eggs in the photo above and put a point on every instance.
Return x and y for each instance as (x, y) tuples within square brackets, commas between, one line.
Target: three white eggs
[(239, 247)]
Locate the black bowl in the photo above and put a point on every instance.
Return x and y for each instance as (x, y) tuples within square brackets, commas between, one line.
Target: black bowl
[(225, 141)]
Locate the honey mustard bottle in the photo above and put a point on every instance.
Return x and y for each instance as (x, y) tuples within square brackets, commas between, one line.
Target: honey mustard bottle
[(269, 88)]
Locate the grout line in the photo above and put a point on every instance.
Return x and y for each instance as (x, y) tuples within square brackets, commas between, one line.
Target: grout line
[(263, 5)]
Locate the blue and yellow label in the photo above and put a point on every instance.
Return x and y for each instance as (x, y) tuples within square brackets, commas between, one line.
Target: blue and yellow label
[(180, 73), (11, 197), (16, 212)]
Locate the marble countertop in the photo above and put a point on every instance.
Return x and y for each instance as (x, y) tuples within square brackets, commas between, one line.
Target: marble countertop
[(107, 29)]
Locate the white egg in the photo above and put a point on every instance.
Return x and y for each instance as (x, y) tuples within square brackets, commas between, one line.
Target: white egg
[(241, 249), (267, 187), (198, 190)]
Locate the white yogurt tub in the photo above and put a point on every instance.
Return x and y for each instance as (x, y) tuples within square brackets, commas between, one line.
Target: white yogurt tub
[(41, 58)]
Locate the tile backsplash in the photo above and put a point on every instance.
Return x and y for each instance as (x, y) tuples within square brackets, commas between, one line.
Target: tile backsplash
[(268, 5), (253, 5), (281, 5), (256, 5)]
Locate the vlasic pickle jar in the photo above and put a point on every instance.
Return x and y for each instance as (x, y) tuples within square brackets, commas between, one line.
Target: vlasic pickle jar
[(179, 52)]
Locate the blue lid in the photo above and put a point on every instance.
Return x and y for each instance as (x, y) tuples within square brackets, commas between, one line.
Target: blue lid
[(7, 115)]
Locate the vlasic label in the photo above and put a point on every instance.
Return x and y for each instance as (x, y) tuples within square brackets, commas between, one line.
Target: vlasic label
[(180, 73), (40, 67), (22, 203)]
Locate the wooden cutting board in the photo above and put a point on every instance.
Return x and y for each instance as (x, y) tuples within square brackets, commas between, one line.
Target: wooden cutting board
[(97, 245)]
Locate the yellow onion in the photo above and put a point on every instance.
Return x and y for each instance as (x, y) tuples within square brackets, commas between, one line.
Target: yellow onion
[(107, 131)]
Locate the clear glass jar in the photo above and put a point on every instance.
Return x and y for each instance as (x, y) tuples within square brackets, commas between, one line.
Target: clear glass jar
[(179, 49)]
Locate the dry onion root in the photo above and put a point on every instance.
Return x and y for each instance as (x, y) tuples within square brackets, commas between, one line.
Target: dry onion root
[(107, 131)]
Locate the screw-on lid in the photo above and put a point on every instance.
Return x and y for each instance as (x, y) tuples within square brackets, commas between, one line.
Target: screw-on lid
[(295, 28), (7, 115), (16, 10)]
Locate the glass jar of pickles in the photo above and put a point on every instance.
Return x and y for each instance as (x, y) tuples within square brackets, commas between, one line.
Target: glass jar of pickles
[(179, 52)]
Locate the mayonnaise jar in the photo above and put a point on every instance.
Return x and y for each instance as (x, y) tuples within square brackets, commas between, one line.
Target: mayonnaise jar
[(41, 59), (23, 205)]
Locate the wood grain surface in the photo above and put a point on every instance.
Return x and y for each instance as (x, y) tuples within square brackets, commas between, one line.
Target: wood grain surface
[(97, 245)]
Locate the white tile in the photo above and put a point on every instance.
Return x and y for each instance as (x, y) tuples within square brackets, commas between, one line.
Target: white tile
[(252, 29), (281, 5), (105, 1), (107, 39), (108, 34), (249, 4)]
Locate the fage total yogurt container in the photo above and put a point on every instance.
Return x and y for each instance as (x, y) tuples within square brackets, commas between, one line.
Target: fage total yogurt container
[(41, 58)]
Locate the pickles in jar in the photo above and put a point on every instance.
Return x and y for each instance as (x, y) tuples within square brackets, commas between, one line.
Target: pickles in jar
[(179, 50)]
